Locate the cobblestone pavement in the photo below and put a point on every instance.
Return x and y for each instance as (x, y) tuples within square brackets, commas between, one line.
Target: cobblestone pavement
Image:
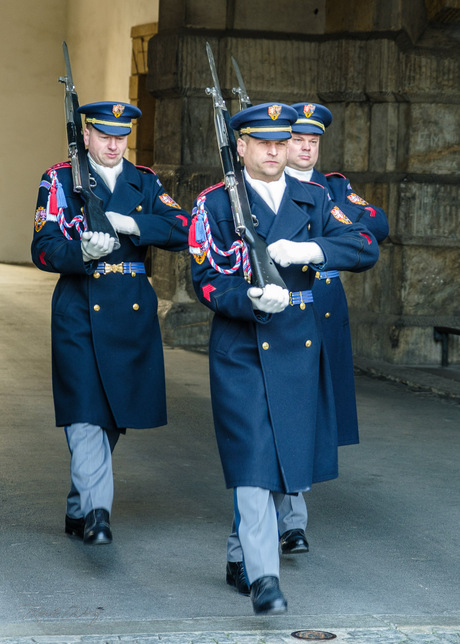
[(396, 635)]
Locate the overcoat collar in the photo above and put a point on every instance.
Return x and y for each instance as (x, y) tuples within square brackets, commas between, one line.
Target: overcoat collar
[(127, 194), (293, 214)]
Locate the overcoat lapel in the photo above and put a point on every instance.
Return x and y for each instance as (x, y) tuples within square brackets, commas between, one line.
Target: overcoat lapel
[(293, 215), (126, 198)]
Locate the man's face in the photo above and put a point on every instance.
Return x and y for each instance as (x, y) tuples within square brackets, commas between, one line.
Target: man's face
[(264, 160), (105, 149), (303, 151)]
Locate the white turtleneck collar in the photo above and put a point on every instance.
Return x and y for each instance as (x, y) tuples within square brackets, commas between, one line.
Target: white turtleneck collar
[(110, 175), (302, 175), (271, 192)]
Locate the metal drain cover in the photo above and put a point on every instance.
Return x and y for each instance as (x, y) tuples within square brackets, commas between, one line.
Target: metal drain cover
[(313, 635)]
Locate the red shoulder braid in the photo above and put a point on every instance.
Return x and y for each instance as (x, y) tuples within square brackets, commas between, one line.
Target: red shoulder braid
[(211, 188), (58, 166), (144, 168), (335, 174)]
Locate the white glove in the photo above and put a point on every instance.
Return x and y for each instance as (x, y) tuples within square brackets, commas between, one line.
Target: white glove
[(123, 223), (96, 245), (270, 299), (285, 252)]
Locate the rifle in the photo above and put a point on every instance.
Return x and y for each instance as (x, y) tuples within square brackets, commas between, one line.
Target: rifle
[(263, 268), (95, 214), (243, 97)]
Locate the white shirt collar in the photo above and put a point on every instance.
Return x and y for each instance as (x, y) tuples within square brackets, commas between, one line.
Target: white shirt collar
[(302, 175), (110, 175), (271, 191)]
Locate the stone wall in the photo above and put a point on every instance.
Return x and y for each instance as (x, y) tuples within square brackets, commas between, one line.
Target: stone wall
[(390, 78)]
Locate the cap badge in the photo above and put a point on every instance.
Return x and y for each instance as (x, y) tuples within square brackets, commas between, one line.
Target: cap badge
[(274, 111), (308, 110), (118, 110)]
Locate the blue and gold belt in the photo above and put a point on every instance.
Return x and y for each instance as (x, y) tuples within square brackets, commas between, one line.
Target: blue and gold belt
[(323, 275), (130, 268), (300, 298)]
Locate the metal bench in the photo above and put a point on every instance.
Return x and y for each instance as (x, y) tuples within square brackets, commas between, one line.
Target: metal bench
[(441, 334)]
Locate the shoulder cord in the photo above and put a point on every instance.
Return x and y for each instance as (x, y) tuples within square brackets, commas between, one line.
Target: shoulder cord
[(55, 207), (204, 243)]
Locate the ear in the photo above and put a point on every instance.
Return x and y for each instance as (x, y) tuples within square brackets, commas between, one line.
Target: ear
[(86, 136), (240, 147)]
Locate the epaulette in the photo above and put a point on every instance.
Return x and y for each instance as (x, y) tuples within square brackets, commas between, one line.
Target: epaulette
[(313, 183), (210, 189), (58, 166), (144, 168), (335, 174)]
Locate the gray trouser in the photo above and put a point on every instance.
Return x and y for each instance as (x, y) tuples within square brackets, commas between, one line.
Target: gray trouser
[(292, 514), (257, 529), (91, 475)]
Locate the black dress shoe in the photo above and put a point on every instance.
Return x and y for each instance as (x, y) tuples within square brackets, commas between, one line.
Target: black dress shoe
[(97, 528), (267, 598), (236, 577), (74, 527), (293, 542)]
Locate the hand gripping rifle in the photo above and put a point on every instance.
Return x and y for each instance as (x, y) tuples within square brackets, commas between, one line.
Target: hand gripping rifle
[(95, 215), (263, 268)]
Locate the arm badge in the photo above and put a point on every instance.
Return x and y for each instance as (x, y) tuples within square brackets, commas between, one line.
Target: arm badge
[(40, 219), (354, 198), (340, 216), (168, 201)]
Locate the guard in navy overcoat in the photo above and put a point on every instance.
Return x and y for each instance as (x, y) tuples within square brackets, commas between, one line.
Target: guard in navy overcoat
[(107, 355), (328, 291), (271, 388), (330, 302), (270, 382)]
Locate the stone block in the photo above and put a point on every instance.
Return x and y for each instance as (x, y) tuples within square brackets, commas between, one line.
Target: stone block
[(168, 132), (428, 283), (384, 137), (382, 69), (289, 16), (343, 70), (185, 324), (426, 74), (278, 70), (331, 150), (434, 141), (356, 138), (428, 213), (177, 14)]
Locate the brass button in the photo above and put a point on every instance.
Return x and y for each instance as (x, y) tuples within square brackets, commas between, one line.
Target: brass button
[(328, 280), (136, 307), (96, 307), (139, 208), (304, 268), (308, 343), (133, 274), (96, 275), (265, 346), (317, 275), (309, 226), (302, 305), (327, 315)]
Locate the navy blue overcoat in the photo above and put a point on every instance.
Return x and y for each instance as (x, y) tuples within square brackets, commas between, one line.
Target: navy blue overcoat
[(271, 388), (331, 304), (107, 355)]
